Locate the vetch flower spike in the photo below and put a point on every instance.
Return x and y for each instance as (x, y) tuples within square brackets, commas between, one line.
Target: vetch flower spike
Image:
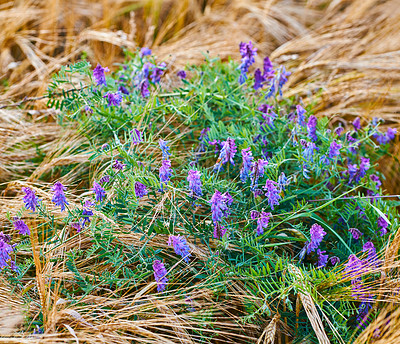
[(180, 246)]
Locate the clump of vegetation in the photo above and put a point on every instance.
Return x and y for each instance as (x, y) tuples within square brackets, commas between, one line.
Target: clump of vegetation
[(220, 211)]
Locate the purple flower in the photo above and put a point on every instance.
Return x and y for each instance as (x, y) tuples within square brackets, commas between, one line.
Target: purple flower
[(312, 128), (355, 233), (248, 58), (353, 269), (114, 99), (364, 167), (160, 275), (88, 109), (5, 250), (335, 260), (258, 79), (219, 205), (254, 214), (123, 89), (30, 199), (181, 74), (77, 226), (334, 149), (99, 192), (180, 246), (268, 114), (272, 193), (105, 147), (140, 190), (137, 136), (247, 162), (165, 173), (370, 248), (357, 124), (300, 115), (282, 182), (158, 72), (309, 150), (59, 196), (227, 153), (87, 212), (164, 148), (144, 88), (322, 259), (262, 222), (268, 72), (256, 172), (145, 51), (105, 179), (339, 131), (317, 234), (21, 226), (98, 74), (352, 170), (374, 178), (219, 231), (353, 143), (194, 183), (383, 225), (283, 74), (118, 165)]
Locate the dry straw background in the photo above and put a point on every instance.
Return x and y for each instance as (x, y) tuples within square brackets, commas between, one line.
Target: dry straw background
[(344, 56)]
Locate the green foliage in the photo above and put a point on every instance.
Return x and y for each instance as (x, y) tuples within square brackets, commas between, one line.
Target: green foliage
[(128, 232)]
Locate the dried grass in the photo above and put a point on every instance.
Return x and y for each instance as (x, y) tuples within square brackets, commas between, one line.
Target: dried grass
[(345, 58)]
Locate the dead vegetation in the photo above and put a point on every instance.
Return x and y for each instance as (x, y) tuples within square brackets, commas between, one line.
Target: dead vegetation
[(345, 60)]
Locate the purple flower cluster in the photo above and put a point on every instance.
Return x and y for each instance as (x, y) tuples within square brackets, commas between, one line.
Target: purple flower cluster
[(247, 162), (30, 199), (181, 246), (98, 75), (227, 153), (256, 172), (317, 234), (21, 226), (140, 190), (118, 165), (164, 148), (87, 212), (219, 231), (267, 75), (248, 58), (353, 270), (387, 137), (300, 115), (383, 225), (334, 149), (355, 233), (181, 74), (5, 250), (137, 136), (322, 259), (98, 191), (105, 179), (268, 115), (145, 51), (59, 196), (272, 193), (113, 99), (219, 205), (194, 183), (262, 220), (160, 273), (165, 173), (312, 128)]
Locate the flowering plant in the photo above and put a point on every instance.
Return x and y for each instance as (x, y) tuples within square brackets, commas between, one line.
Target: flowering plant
[(219, 179)]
